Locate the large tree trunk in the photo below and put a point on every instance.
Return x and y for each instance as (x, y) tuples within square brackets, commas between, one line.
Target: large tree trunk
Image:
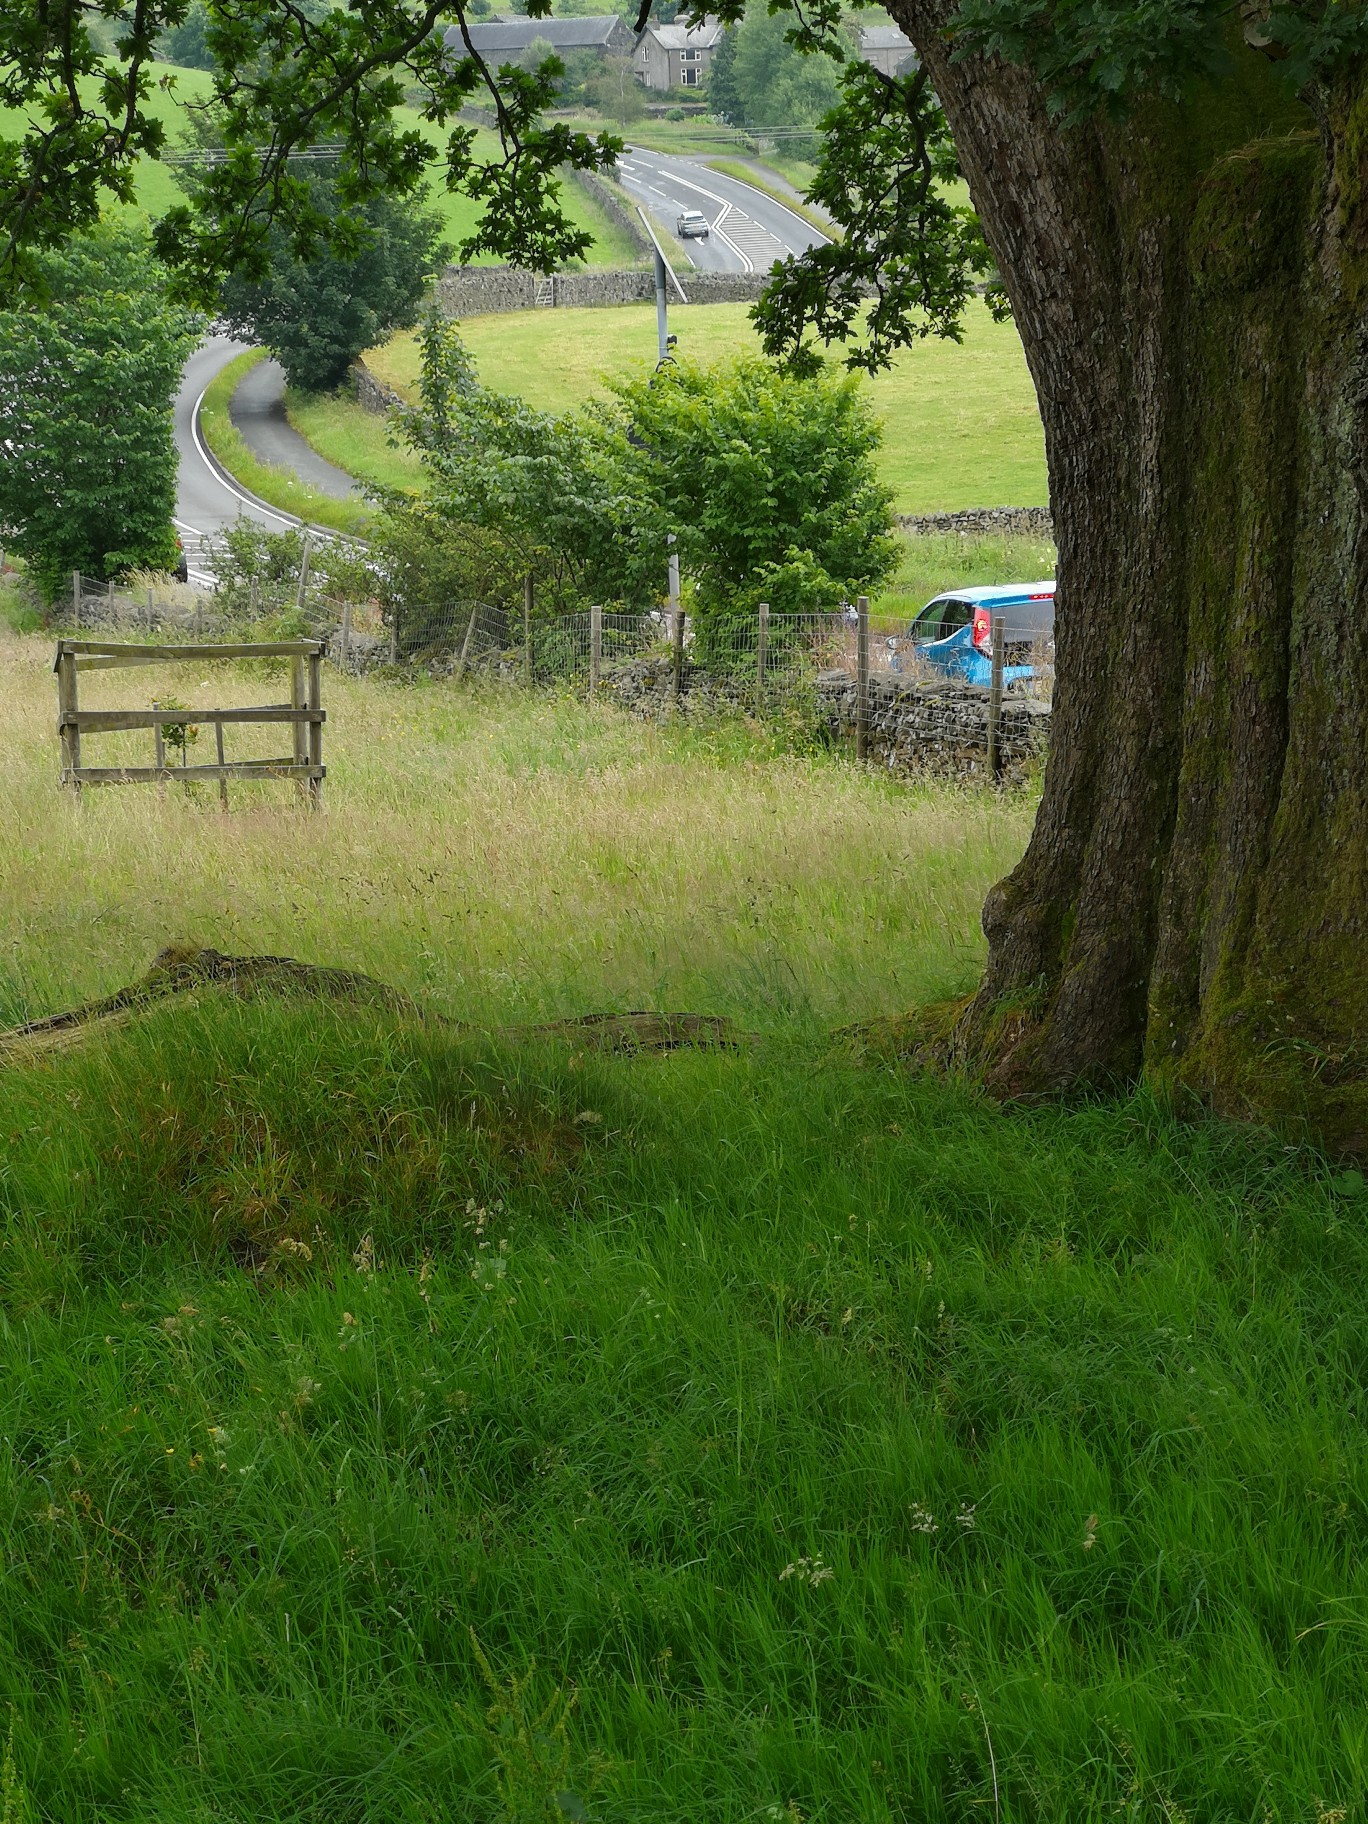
[(1192, 292)]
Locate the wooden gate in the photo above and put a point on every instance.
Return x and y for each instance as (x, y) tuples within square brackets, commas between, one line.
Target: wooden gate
[(303, 715)]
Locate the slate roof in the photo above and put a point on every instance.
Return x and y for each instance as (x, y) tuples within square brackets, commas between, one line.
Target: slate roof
[(508, 37), (687, 37), (883, 38)]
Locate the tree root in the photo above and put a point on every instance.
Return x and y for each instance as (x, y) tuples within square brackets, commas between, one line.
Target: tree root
[(184, 968)]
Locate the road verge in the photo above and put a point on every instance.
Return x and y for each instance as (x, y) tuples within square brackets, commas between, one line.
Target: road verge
[(276, 487)]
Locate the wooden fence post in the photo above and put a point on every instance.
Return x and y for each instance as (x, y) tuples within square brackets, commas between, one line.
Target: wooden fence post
[(315, 727), (223, 777), (527, 627), (303, 574), (862, 678), (394, 636), (761, 653), (76, 600), (595, 647), (346, 635), (159, 755), (465, 643), (678, 686), (301, 737), (66, 702), (995, 698)]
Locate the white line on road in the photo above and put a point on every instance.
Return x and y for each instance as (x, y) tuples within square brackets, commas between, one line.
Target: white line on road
[(218, 474), (661, 171)]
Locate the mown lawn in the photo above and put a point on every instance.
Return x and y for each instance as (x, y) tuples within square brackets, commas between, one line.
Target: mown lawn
[(961, 428), (837, 1445)]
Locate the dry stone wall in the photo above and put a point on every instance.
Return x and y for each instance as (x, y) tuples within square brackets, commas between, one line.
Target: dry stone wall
[(913, 727), (476, 291), (1011, 522), (372, 395)]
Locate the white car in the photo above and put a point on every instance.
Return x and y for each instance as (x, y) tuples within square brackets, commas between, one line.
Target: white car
[(692, 225)]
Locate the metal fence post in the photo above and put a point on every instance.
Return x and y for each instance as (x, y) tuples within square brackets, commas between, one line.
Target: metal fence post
[(995, 698), (862, 678), (761, 651), (595, 647), (527, 627), (677, 622)]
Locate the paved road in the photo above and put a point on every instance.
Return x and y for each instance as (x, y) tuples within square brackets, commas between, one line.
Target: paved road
[(258, 414), (750, 231), (206, 498)]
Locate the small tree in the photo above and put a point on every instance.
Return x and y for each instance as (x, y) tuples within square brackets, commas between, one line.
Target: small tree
[(87, 459), (613, 90), (316, 315), (767, 479)]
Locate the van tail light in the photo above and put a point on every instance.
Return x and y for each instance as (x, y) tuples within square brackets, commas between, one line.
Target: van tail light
[(983, 631)]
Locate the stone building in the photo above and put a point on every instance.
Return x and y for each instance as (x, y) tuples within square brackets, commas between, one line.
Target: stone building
[(887, 48), (676, 56), (505, 40)]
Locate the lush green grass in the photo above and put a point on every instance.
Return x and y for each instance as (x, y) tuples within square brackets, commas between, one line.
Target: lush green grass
[(849, 1449), (961, 428), (158, 191), (279, 487), (355, 439)]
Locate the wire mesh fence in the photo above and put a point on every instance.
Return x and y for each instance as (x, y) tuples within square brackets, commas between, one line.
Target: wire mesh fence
[(845, 679)]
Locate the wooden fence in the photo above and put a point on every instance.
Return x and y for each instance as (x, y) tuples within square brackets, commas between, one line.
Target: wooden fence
[(303, 715)]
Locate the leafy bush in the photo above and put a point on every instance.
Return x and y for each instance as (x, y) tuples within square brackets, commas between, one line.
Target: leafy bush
[(561, 496), (258, 576), (767, 479)]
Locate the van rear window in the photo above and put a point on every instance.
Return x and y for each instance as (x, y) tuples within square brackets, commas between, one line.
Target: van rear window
[(939, 619)]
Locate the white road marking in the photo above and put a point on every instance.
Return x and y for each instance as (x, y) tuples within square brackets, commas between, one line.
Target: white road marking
[(218, 475)]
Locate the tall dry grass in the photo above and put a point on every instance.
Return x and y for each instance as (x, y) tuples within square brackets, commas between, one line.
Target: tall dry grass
[(502, 856)]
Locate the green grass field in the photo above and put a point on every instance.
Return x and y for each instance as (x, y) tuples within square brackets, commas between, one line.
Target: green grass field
[(157, 190), (407, 1424), (961, 428)]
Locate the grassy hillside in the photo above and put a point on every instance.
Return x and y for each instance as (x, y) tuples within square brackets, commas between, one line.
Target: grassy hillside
[(961, 428), (157, 189), (407, 1424)]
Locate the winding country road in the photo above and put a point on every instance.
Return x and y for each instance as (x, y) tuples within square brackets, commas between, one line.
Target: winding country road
[(750, 230), (208, 498)]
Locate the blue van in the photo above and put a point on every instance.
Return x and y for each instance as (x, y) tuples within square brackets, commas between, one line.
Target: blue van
[(954, 633)]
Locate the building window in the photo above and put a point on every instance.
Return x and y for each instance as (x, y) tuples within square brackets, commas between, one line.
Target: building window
[(689, 56), (688, 79)]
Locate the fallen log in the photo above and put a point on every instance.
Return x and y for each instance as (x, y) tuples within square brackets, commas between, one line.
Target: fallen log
[(186, 968)]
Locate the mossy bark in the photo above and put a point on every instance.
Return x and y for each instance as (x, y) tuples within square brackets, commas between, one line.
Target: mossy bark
[(1191, 289)]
